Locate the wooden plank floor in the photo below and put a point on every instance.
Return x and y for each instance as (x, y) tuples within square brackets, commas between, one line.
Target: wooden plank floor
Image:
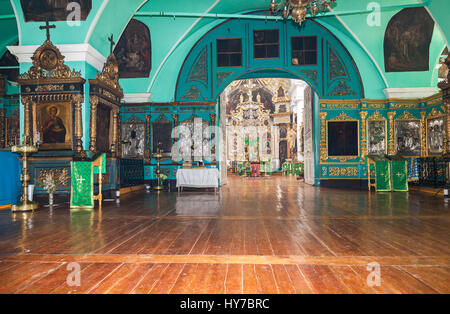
[(272, 235)]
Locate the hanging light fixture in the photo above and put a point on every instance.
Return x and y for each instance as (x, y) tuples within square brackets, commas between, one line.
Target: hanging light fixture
[(298, 9)]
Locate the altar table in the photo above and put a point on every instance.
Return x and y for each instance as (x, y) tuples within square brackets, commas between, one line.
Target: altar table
[(198, 178)]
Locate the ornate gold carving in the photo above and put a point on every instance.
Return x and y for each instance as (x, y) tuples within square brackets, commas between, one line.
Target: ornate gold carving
[(323, 138), (392, 148), (406, 115), (364, 148), (115, 137), (77, 102), (423, 134), (342, 117), (27, 119), (435, 113), (376, 116), (94, 103), (48, 63), (343, 171)]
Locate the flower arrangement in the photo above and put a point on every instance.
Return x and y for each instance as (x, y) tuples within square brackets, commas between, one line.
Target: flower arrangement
[(162, 177), (51, 181)]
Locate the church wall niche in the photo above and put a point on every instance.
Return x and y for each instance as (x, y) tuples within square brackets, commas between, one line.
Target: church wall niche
[(52, 10), (134, 51), (407, 41)]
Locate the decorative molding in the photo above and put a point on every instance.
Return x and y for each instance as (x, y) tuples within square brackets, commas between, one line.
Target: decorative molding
[(336, 67), (199, 70), (313, 75), (392, 148), (406, 115), (342, 89), (72, 52), (410, 92), (136, 98), (376, 116), (222, 76)]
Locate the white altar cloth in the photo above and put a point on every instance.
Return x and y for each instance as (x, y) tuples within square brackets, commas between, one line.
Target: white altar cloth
[(198, 178)]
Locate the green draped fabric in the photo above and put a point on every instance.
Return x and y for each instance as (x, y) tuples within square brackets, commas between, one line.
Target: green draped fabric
[(399, 175), (82, 195), (383, 175)]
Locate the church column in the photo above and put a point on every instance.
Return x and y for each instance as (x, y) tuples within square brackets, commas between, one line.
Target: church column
[(27, 119), (77, 101), (94, 103), (364, 149), (114, 139), (423, 135), (148, 149), (392, 148)]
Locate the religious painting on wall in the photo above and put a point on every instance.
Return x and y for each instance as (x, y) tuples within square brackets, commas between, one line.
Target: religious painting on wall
[(377, 137), (407, 41), (435, 136), (56, 126), (53, 10), (407, 134), (133, 137), (343, 138), (162, 135), (134, 51), (103, 128)]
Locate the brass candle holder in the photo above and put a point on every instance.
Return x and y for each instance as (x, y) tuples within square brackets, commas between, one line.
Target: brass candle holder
[(159, 155), (24, 149)]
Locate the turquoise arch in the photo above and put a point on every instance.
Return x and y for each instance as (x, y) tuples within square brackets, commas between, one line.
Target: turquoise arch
[(335, 67)]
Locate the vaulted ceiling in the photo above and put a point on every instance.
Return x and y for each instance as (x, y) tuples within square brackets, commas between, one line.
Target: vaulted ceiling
[(174, 33)]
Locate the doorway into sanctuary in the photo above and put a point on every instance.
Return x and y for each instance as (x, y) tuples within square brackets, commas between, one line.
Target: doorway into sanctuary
[(262, 122)]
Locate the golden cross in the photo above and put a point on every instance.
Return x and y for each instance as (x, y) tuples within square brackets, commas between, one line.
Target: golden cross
[(80, 180), (47, 27), (111, 40)]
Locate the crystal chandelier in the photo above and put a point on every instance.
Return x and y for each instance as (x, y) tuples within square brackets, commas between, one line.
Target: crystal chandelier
[(298, 9)]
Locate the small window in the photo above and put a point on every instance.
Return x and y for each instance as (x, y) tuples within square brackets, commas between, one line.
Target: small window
[(304, 50), (343, 138), (229, 52), (266, 44)]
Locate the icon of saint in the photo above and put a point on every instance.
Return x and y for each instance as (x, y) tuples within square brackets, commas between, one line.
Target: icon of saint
[(53, 129)]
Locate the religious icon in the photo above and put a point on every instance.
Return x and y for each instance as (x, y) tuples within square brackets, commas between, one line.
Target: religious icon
[(408, 138), (56, 126), (377, 137), (133, 136), (435, 136), (52, 10), (407, 41), (134, 51), (53, 129)]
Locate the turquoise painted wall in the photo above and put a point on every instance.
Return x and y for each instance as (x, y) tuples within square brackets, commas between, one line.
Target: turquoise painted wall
[(334, 68)]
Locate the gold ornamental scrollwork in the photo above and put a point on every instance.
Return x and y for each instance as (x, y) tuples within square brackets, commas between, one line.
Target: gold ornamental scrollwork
[(392, 148), (94, 103), (323, 138), (423, 134), (364, 148)]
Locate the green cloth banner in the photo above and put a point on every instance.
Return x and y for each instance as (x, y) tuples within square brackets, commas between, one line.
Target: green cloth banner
[(82, 195), (96, 169), (383, 175), (399, 175)]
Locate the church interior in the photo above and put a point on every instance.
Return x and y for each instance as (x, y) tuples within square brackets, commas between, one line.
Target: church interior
[(224, 147)]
